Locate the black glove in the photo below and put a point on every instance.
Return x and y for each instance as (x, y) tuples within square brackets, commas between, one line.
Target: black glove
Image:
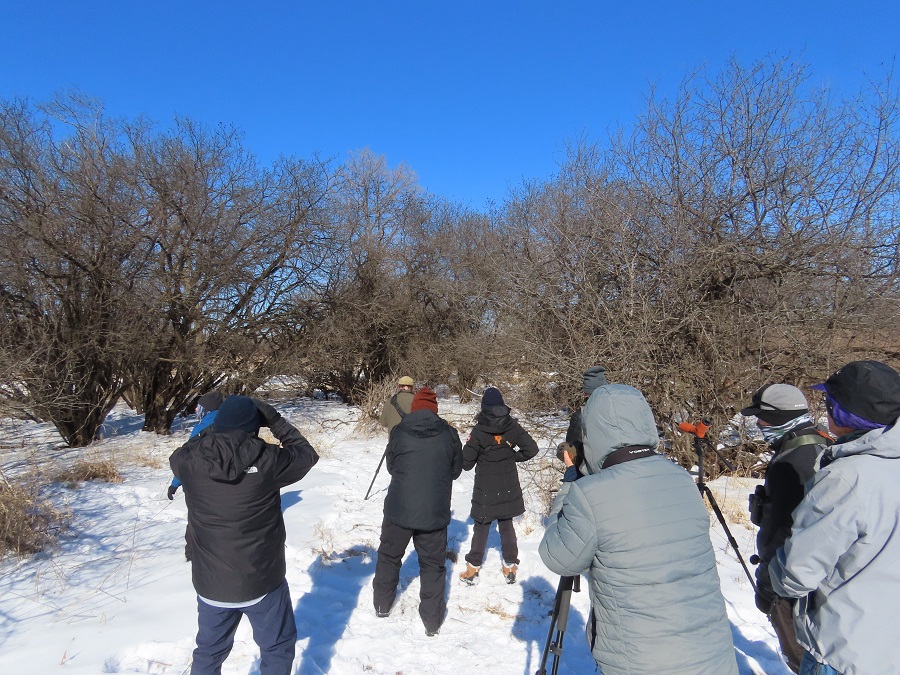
[(269, 414), (763, 603), (170, 493)]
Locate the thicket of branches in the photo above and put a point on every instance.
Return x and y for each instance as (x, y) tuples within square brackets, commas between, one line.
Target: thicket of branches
[(742, 231)]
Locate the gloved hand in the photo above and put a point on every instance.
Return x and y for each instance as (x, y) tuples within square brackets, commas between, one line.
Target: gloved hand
[(170, 493), (765, 594), (763, 603), (269, 414)]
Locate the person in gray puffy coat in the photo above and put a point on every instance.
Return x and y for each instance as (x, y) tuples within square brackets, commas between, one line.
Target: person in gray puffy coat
[(637, 527), (842, 559)]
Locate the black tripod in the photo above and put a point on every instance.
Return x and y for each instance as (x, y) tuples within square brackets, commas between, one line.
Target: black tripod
[(384, 454), (559, 622), (699, 432)]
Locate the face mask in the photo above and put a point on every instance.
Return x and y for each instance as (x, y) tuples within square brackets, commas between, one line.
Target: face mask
[(772, 434)]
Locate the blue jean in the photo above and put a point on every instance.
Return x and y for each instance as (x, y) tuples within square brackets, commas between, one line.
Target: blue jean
[(274, 631), (809, 666)]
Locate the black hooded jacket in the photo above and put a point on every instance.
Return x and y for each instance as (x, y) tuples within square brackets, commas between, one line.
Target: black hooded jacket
[(424, 457), (491, 449), (787, 473), (232, 482)]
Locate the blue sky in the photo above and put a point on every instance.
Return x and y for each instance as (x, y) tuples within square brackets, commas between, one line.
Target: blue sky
[(475, 97)]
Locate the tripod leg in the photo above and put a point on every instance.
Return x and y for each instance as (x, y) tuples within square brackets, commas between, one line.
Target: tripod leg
[(384, 454), (560, 619), (731, 540)]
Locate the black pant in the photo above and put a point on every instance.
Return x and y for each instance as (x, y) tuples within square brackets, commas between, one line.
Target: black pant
[(431, 548), (509, 545)]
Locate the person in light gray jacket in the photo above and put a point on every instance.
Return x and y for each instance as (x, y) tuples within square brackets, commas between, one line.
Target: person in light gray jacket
[(637, 527), (842, 559)]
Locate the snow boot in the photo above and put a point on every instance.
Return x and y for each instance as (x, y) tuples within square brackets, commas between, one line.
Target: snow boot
[(509, 571), (470, 575)]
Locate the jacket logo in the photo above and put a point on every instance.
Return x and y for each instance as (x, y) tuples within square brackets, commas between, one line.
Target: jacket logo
[(251, 469)]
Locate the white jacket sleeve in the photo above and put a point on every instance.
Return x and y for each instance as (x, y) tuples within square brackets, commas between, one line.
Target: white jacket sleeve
[(826, 524)]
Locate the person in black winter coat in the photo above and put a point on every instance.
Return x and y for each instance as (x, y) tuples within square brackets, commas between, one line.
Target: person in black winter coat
[(232, 483), (424, 457), (495, 446), (593, 377), (782, 415)]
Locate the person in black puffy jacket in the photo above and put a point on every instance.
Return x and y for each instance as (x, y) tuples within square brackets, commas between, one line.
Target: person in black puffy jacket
[(494, 447), (782, 415), (424, 457), (233, 482)]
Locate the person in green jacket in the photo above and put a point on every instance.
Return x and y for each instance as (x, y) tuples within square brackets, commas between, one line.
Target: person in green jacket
[(397, 406)]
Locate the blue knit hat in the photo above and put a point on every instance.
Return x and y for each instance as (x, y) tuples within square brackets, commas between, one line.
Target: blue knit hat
[(238, 412), (491, 397)]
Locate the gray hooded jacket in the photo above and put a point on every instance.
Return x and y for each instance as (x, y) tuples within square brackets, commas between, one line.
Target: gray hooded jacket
[(640, 532), (842, 559)]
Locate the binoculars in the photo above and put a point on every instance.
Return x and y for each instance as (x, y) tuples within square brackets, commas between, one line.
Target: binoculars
[(566, 447)]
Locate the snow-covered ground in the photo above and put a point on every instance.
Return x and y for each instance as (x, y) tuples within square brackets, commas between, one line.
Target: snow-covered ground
[(115, 595)]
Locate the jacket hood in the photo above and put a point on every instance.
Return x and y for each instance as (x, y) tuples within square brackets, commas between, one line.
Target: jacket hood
[(878, 442), (615, 416), (422, 423), (495, 419), (226, 455)]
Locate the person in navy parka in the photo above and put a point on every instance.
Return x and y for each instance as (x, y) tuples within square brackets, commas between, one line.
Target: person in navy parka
[(494, 448)]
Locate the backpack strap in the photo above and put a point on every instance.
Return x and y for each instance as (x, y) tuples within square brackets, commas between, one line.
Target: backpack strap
[(626, 454), (811, 436), (397, 406)]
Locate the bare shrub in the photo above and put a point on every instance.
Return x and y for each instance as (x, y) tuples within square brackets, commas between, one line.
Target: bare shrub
[(319, 437), (371, 404)]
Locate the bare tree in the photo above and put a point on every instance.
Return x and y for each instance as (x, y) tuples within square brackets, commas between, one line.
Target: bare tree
[(71, 253), (231, 243), (741, 232)]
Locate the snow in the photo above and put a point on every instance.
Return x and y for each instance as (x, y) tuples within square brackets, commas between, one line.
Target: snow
[(115, 594)]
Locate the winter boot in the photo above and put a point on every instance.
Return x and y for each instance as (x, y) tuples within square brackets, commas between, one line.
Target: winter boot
[(509, 571), (470, 575)]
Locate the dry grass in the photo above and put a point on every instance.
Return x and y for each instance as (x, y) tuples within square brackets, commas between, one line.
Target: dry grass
[(324, 541), (149, 459), (732, 500), (497, 610), (83, 470), (28, 523)]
